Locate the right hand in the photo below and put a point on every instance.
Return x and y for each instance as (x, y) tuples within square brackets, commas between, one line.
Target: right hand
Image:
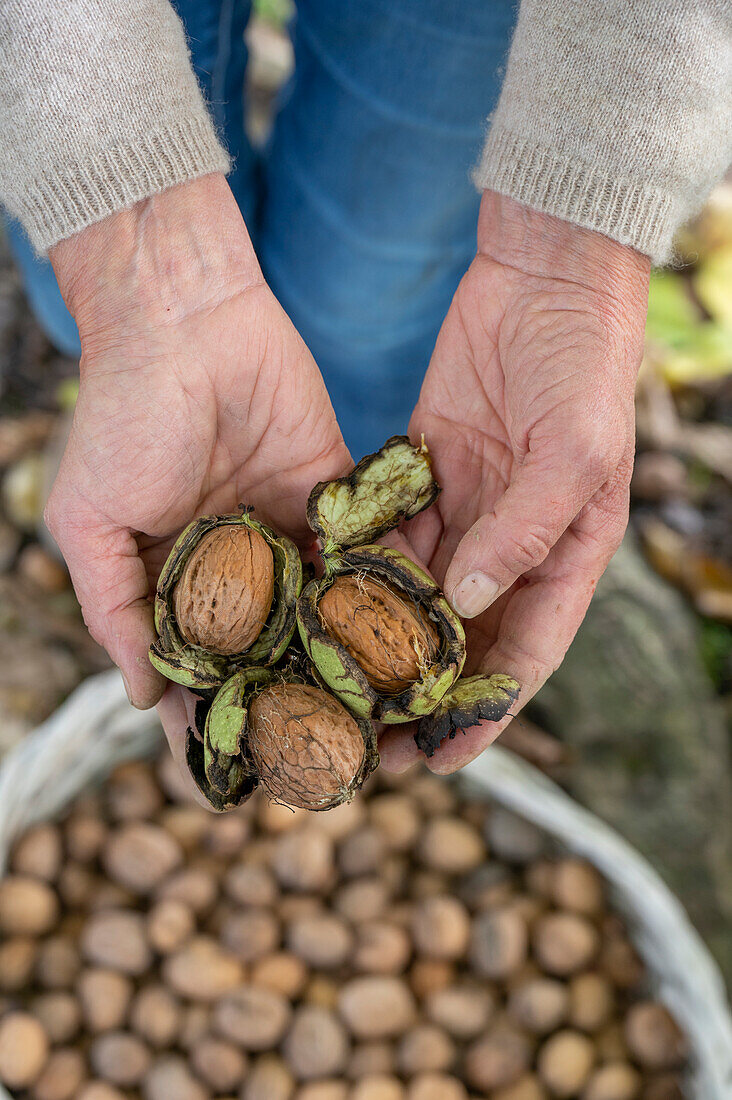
[(196, 395)]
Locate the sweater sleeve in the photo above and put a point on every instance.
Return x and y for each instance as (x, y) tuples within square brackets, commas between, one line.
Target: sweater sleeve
[(615, 114), (99, 108)]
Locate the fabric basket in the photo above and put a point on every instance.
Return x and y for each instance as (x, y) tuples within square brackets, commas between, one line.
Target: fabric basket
[(96, 729)]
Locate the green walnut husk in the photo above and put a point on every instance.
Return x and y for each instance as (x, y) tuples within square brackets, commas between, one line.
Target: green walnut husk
[(342, 672), (393, 484), (189, 664), (349, 515), (221, 757), (216, 750), (473, 699)]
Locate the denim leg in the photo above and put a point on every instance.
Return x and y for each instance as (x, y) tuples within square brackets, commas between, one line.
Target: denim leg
[(369, 214), (215, 31), (41, 288)]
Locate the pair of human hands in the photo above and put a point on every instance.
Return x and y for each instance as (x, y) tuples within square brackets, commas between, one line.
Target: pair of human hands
[(197, 393)]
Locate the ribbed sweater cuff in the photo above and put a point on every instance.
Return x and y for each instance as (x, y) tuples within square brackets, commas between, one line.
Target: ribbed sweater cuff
[(64, 201), (644, 218)]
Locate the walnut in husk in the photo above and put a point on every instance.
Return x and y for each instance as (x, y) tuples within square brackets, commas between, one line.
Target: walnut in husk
[(376, 627), (384, 631), (225, 600), (224, 593), (292, 738), (436, 650)]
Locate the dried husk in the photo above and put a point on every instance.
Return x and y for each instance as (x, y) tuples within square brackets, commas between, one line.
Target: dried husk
[(473, 699), (216, 750), (393, 484)]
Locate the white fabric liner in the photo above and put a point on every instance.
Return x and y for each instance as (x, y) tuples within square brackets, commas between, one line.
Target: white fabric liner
[(96, 729)]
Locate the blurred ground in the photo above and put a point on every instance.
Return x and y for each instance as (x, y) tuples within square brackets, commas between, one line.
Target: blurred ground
[(637, 722)]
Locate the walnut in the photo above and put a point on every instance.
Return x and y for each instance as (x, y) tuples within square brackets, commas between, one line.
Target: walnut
[(224, 594), (653, 1037), (307, 749), (383, 630), (565, 1062), (28, 907), (23, 1050)]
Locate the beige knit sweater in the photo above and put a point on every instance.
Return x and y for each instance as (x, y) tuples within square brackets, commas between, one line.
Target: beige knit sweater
[(615, 114)]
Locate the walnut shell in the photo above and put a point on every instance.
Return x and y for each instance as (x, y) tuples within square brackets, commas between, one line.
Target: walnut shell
[(307, 749), (225, 591), (383, 630)]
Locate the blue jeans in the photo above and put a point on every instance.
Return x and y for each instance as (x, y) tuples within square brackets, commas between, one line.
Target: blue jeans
[(360, 208)]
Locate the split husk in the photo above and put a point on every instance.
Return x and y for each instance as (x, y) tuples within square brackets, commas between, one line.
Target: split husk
[(193, 665), (361, 645), (278, 730)]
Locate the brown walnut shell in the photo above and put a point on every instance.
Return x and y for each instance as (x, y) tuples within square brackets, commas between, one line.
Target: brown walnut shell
[(307, 749), (225, 591), (382, 629)]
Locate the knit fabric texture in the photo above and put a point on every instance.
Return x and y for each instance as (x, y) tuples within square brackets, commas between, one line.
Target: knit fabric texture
[(615, 114), (99, 108)]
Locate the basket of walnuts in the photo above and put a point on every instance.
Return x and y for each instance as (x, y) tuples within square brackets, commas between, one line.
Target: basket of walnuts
[(424, 939)]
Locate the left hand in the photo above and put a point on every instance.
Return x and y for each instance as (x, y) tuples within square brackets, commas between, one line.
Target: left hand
[(196, 394), (528, 411)]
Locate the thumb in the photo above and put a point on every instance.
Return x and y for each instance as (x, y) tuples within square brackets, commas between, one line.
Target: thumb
[(111, 585), (531, 516)]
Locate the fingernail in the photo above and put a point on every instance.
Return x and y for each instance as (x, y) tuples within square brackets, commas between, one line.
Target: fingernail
[(127, 687), (474, 593)]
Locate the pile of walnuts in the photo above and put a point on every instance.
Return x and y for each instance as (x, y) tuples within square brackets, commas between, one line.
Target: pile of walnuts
[(414, 944)]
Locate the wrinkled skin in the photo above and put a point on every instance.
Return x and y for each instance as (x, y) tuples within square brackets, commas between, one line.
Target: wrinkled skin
[(528, 407), (196, 394)]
